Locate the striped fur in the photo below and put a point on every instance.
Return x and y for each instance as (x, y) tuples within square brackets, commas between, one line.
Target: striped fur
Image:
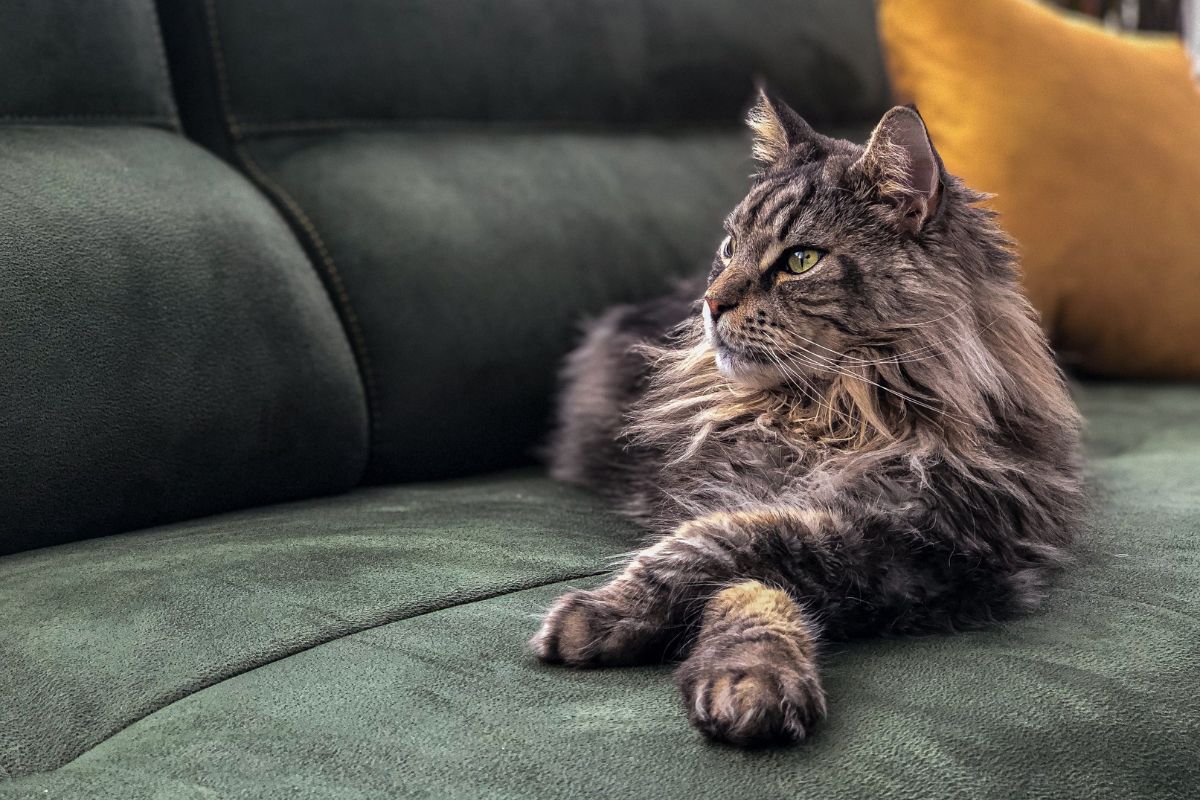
[(752, 673), (882, 445)]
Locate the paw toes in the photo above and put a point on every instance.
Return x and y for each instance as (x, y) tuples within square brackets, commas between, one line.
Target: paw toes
[(751, 704), (583, 629), (564, 634)]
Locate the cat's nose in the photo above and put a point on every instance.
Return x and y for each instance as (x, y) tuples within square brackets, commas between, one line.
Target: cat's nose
[(716, 307)]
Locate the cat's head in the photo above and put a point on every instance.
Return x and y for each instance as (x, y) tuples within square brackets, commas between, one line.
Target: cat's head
[(843, 255)]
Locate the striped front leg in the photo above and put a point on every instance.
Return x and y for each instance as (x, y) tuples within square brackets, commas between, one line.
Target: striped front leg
[(656, 601), (752, 675)]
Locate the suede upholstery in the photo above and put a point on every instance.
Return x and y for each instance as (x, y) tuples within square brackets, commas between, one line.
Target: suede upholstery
[(468, 284), (430, 692), (470, 258), (468, 179), (81, 63), (101, 633), (167, 350), (468, 205), (301, 65)]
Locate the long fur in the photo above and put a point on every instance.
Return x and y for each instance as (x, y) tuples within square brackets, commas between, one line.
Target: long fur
[(897, 449)]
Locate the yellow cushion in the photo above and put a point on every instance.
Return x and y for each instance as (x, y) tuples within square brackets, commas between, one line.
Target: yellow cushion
[(1090, 141)]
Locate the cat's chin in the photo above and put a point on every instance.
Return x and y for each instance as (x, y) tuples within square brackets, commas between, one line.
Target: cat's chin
[(744, 372)]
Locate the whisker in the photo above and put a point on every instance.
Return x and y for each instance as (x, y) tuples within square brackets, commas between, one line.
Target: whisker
[(805, 386), (908, 357), (829, 365)]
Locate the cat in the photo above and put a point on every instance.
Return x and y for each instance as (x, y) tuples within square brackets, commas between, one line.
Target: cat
[(855, 428)]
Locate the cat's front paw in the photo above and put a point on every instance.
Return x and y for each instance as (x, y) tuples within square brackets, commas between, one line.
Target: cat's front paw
[(749, 698), (590, 628)]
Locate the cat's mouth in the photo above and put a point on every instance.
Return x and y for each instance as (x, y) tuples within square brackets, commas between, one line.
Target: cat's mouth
[(742, 366)]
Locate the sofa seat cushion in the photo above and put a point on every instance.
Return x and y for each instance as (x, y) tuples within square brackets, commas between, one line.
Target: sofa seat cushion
[(1093, 697), (96, 635)]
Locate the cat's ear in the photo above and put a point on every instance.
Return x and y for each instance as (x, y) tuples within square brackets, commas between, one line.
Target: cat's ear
[(905, 169), (777, 128)]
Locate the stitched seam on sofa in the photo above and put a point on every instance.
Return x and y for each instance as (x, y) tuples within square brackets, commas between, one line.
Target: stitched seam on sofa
[(186, 693), (219, 66), (164, 73), (156, 119), (537, 125), (340, 295), (357, 335)]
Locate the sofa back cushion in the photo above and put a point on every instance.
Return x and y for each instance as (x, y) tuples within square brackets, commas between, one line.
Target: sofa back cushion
[(316, 63), (80, 62), (475, 178), (167, 349)]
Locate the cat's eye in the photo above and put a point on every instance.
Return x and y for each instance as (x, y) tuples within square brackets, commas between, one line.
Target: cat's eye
[(801, 261), (726, 251)]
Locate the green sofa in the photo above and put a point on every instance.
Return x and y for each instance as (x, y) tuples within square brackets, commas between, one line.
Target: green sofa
[(285, 287)]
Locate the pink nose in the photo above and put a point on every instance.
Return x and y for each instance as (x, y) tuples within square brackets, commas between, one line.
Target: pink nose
[(716, 307)]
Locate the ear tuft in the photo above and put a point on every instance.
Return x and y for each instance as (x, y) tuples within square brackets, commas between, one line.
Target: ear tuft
[(777, 128), (902, 163), (770, 139)]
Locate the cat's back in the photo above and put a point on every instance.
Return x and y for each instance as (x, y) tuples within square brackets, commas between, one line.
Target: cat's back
[(601, 379)]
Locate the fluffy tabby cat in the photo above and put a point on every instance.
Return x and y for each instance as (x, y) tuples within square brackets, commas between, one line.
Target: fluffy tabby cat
[(860, 430)]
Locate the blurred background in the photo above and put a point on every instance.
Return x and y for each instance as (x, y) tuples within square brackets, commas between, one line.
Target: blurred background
[(1144, 15), (1174, 16)]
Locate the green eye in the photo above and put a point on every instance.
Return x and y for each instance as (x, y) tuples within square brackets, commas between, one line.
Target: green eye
[(801, 261), (727, 248)]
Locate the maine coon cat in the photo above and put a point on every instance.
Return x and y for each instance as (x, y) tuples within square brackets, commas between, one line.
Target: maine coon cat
[(858, 430)]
